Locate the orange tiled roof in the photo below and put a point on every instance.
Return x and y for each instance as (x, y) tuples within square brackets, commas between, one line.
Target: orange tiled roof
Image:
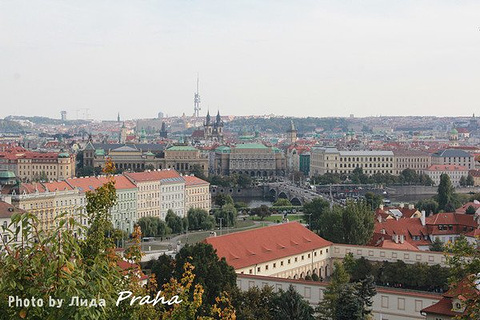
[(192, 181), (246, 248), (152, 175)]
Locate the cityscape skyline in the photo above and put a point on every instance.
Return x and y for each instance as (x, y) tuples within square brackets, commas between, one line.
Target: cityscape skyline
[(310, 58)]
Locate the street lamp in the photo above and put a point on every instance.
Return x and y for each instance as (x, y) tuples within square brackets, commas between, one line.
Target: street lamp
[(220, 218), (310, 221)]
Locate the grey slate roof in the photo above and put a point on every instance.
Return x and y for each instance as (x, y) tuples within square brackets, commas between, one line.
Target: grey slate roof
[(451, 153)]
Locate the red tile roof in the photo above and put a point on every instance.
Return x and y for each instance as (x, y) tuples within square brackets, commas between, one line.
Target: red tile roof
[(475, 204), (442, 307), (446, 167), (246, 248), (91, 183), (406, 227), (6, 210), (389, 244), (194, 181), (57, 186), (152, 175)]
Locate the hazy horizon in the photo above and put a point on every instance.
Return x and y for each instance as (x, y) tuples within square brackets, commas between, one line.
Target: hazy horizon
[(304, 58)]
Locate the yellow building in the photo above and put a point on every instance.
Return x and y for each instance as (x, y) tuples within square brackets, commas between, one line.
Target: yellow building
[(45, 166), (331, 160), (197, 194)]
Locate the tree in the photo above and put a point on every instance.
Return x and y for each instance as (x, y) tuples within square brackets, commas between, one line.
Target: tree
[(254, 303), (281, 202), (153, 227), (373, 200), (174, 222), (162, 268), (55, 263), (358, 223), (199, 219), (430, 206), (436, 245), (291, 305), (316, 208), (327, 308), (213, 273), (470, 181), (223, 199), (198, 172), (463, 181), (445, 192), (229, 215), (470, 210), (261, 212), (244, 181)]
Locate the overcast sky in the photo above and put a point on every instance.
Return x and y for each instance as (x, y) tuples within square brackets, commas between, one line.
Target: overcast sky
[(295, 58)]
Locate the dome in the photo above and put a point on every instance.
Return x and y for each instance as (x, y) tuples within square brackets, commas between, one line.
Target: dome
[(63, 155)]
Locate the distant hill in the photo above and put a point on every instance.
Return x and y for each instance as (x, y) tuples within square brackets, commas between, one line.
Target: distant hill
[(280, 125), (7, 126), (46, 120)]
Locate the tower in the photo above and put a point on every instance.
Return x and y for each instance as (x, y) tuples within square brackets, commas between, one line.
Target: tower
[(196, 102), (63, 115), (118, 118), (291, 133), (163, 131)]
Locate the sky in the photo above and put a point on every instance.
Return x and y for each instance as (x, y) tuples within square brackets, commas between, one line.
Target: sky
[(294, 58)]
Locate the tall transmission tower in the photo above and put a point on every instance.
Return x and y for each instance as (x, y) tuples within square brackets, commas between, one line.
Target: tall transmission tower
[(196, 102)]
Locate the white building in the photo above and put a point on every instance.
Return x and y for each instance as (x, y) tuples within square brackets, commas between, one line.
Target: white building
[(455, 173)]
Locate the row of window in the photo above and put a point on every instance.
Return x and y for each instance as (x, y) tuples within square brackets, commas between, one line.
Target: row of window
[(289, 261)]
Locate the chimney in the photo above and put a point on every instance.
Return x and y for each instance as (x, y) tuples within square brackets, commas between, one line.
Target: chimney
[(381, 207), (422, 218), (395, 238), (401, 205), (402, 238), (411, 206)]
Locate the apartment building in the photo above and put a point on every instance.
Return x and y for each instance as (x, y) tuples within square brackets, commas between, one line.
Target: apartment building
[(253, 159), (124, 212), (29, 165), (197, 194), (411, 159), (455, 172), (159, 191), (455, 157), (331, 160)]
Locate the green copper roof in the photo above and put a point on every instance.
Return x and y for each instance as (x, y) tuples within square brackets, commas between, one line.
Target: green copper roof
[(250, 146), (6, 174), (223, 149), (63, 155), (182, 148), (100, 152), (276, 150), (149, 153)]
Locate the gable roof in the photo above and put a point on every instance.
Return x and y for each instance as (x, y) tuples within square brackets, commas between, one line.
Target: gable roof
[(451, 153), (246, 248), (156, 175), (194, 181)]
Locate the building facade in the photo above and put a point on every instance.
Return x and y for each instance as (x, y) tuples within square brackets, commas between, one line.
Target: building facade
[(411, 159), (253, 159), (184, 159), (455, 157), (331, 160), (455, 172), (197, 194)]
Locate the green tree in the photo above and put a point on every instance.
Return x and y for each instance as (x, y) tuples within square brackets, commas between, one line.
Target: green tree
[(327, 308), (291, 305), (153, 227), (262, 212), (229, 215), (213, 273), (223, 199), (470, 181), (436, 245), (445, 192), (281, 202), (55, 263), (358, 223), (254, 303), (470, 210), (463, 181), (373, 200), (244, 181), (430, 206), (198, 172), (199, 219), (174, 222), (316, 208)]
